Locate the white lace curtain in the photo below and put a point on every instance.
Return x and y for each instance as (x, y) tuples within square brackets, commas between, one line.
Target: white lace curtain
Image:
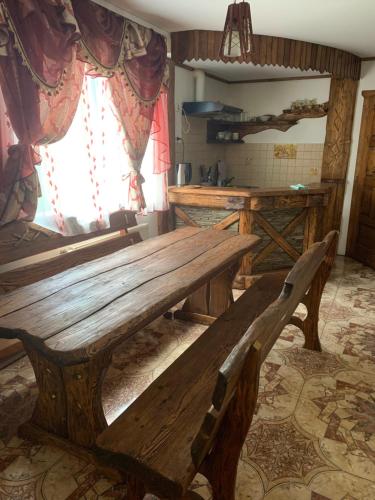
[(84, 176)]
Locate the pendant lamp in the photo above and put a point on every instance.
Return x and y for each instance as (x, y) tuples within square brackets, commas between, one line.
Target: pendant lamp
[(237, 38)]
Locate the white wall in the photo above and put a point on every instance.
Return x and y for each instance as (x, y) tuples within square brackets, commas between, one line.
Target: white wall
[(272, 97), (259, 99), (184, 91), (367, 82), (217, 91)]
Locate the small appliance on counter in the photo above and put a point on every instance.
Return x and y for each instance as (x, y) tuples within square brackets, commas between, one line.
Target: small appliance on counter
[(221, 172), (209, 175), (183, 174)]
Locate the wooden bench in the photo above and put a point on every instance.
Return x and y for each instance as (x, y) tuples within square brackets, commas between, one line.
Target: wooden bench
[(71, 323), (196, 415)]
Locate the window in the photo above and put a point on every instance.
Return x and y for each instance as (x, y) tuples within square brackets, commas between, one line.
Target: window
[(84, 176)]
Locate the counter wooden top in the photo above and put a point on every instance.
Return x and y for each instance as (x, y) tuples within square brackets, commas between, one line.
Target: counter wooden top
[(249, 198), (249, 192)]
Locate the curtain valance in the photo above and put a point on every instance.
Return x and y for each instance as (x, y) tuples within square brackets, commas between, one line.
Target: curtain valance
[(44, 33), (46, 47), (49, 34)]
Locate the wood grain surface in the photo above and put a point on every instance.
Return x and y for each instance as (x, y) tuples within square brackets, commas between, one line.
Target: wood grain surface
[(169, 419), (202, 44), (75, 314), (195, 416)]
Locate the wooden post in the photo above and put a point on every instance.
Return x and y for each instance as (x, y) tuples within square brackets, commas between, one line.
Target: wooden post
[(337, 146), (246, 226), (313, 227)]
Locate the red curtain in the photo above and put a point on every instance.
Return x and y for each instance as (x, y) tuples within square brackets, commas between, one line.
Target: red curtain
[(44, 33), (16, 195), (41, 78), (160, 134), (134, 104), (41, 89), (120, 48), (145, 73), (102, 36)]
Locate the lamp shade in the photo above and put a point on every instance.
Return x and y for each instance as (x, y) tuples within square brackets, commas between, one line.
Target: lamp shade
[(238, 32)]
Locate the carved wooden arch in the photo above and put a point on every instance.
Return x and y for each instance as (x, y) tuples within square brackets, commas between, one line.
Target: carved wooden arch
[(203, 44)]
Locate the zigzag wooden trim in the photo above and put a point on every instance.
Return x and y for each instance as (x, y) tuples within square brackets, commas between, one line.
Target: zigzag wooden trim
[(202, 44)]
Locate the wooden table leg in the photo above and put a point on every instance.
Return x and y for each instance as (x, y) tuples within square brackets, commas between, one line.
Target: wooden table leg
[(211, 300), (69, 403)]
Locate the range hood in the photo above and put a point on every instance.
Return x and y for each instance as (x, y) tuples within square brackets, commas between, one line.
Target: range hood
[(209, 109)]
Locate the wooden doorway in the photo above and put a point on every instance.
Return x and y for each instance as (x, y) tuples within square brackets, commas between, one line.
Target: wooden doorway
[(361, 237)]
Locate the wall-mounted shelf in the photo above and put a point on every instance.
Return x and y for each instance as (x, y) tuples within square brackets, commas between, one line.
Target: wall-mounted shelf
[(216, 141), (316, 111), (282, 123)]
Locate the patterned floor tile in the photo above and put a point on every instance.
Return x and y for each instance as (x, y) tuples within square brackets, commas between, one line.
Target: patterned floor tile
[(353, 340), (313, 435), (325, 486)]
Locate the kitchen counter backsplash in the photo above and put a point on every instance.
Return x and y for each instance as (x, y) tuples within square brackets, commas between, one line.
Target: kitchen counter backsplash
[(258, 164)]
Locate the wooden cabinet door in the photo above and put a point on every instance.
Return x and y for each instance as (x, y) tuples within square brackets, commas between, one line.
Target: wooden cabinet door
[(361, 237)]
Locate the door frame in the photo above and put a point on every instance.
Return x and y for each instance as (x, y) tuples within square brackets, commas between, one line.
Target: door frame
[(367, 120)]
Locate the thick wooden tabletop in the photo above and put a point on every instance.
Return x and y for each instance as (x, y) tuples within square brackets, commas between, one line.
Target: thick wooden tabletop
[(74, 314)]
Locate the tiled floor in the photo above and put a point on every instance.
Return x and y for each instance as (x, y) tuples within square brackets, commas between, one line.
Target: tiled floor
[(313, 437)]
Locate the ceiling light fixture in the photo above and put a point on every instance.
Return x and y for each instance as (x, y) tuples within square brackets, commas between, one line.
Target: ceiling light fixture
[(237, 38)]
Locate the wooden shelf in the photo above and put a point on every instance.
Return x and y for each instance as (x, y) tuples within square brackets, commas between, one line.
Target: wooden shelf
[(215, 141), (317, 111), (282, 123)]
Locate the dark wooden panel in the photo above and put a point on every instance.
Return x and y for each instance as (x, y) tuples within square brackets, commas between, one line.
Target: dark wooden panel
[(361, 235), (192, 45), (337, 145)]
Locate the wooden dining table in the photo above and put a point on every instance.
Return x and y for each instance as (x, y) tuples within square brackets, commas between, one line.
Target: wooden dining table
[(71, 323)]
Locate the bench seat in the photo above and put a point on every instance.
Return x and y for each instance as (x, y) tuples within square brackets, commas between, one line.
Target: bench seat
[(195, 416), (179, 402)]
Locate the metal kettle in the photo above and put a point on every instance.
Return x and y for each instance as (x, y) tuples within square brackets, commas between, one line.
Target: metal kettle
[(183, 174)]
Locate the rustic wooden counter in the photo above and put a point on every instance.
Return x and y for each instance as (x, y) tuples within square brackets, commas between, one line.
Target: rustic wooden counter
[(272, 213)]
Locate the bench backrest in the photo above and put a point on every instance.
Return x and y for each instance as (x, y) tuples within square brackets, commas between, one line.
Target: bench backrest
[(74, 250), (21, 239), (32, 273), (235, 393)]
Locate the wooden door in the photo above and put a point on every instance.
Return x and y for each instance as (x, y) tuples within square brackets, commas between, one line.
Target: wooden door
[(361, 237)]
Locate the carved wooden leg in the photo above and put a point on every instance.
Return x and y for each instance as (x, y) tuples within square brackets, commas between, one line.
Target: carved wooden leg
[(221, 465), (311, 333), (83, 385), (311, 322), (69, 401), (50, 408), (310, 325), (211, 300)]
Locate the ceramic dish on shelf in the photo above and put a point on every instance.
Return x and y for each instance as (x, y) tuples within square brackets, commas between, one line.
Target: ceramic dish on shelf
[(265, 118)]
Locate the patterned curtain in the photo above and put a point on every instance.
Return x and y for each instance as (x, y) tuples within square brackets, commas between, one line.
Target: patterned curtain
[(135, 59), (160, 134), (41, 82), (41, 79), (134, 104)]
